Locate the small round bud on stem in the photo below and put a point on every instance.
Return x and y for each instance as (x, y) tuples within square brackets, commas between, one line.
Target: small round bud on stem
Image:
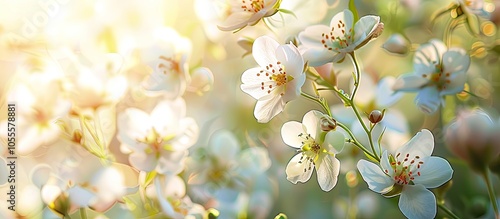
[(327, 123), (376, 116)]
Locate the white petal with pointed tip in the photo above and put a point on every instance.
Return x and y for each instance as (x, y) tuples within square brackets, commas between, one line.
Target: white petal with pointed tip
[(295, 170), (290, 132), (434, 172), (327, 172), (377, 180)]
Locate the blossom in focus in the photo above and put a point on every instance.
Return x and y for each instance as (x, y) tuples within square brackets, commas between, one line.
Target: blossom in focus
[(248, 12), (158, 141), (474, 137), (323, 44), (438, 71), (277, 81), (408, 173), (316, 148)]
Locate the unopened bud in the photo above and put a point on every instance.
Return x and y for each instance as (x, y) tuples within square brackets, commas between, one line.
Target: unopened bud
[(396, 44), (376, 116), (327, 123), (77, 136)]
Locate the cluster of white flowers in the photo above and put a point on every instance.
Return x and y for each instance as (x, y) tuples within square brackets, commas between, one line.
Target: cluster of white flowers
[(139, 109)]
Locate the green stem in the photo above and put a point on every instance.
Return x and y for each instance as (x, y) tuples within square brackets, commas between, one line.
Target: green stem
[(83, 213), (353, 105), (448, 211), (318, 100), (491, 191), (356, 142)]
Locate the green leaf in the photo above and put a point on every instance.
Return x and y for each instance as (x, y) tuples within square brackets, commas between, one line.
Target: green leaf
[(353, 9), (281, 216)]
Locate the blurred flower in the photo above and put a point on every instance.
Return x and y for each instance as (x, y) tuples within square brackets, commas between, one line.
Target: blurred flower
[(171, 194), (409, 173), (277, 81), (202, 81), (39, 103), (316, 149), (248, 12), (439, 71), (158, 141), (97, 85), (397, 44), (167, 56), (325, 44), (474, 7), (474, 137), (225, 163)]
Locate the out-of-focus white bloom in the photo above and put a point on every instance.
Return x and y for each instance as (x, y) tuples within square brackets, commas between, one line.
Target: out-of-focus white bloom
[(277, 81), (316, 150), (202, 81), (248, 12), (397, 44), (97, 85), (159, 140), (409, 172), (224, 159), (474, 7), (39, 103), (170, 191), (474, 137), (167, 56), (325, 44), (439, 71)]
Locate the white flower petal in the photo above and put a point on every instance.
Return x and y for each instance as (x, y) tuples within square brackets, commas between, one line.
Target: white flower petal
[(294, 88), (290, 132), (40, 174), (409, 82), (290, 57), (428, 56), (187, 135), (267, 109), (327, 172), (171, 162), (428, 100), (364, 28), (321, 56), (347, 19), (385, 95), (335, 141), (434, 172), (417, 202), (235, 21), (298, 172), (311, 37), (455, 63), (377, 180), (385, 164), (224, 145), (422, 145), (143, 161), (264, 50), (311, 122), (252, 83)]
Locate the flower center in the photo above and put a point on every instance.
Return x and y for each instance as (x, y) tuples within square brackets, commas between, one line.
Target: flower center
[(276, 74), (329, 40), (155, 141), (310, 150), (169, 65), (439, 78), (405, 169), (252, 5)]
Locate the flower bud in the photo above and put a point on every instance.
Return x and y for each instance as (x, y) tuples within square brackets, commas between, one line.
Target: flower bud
[(396, 44), (474, 137), (327, 123), (202, 81), (376, 116)]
